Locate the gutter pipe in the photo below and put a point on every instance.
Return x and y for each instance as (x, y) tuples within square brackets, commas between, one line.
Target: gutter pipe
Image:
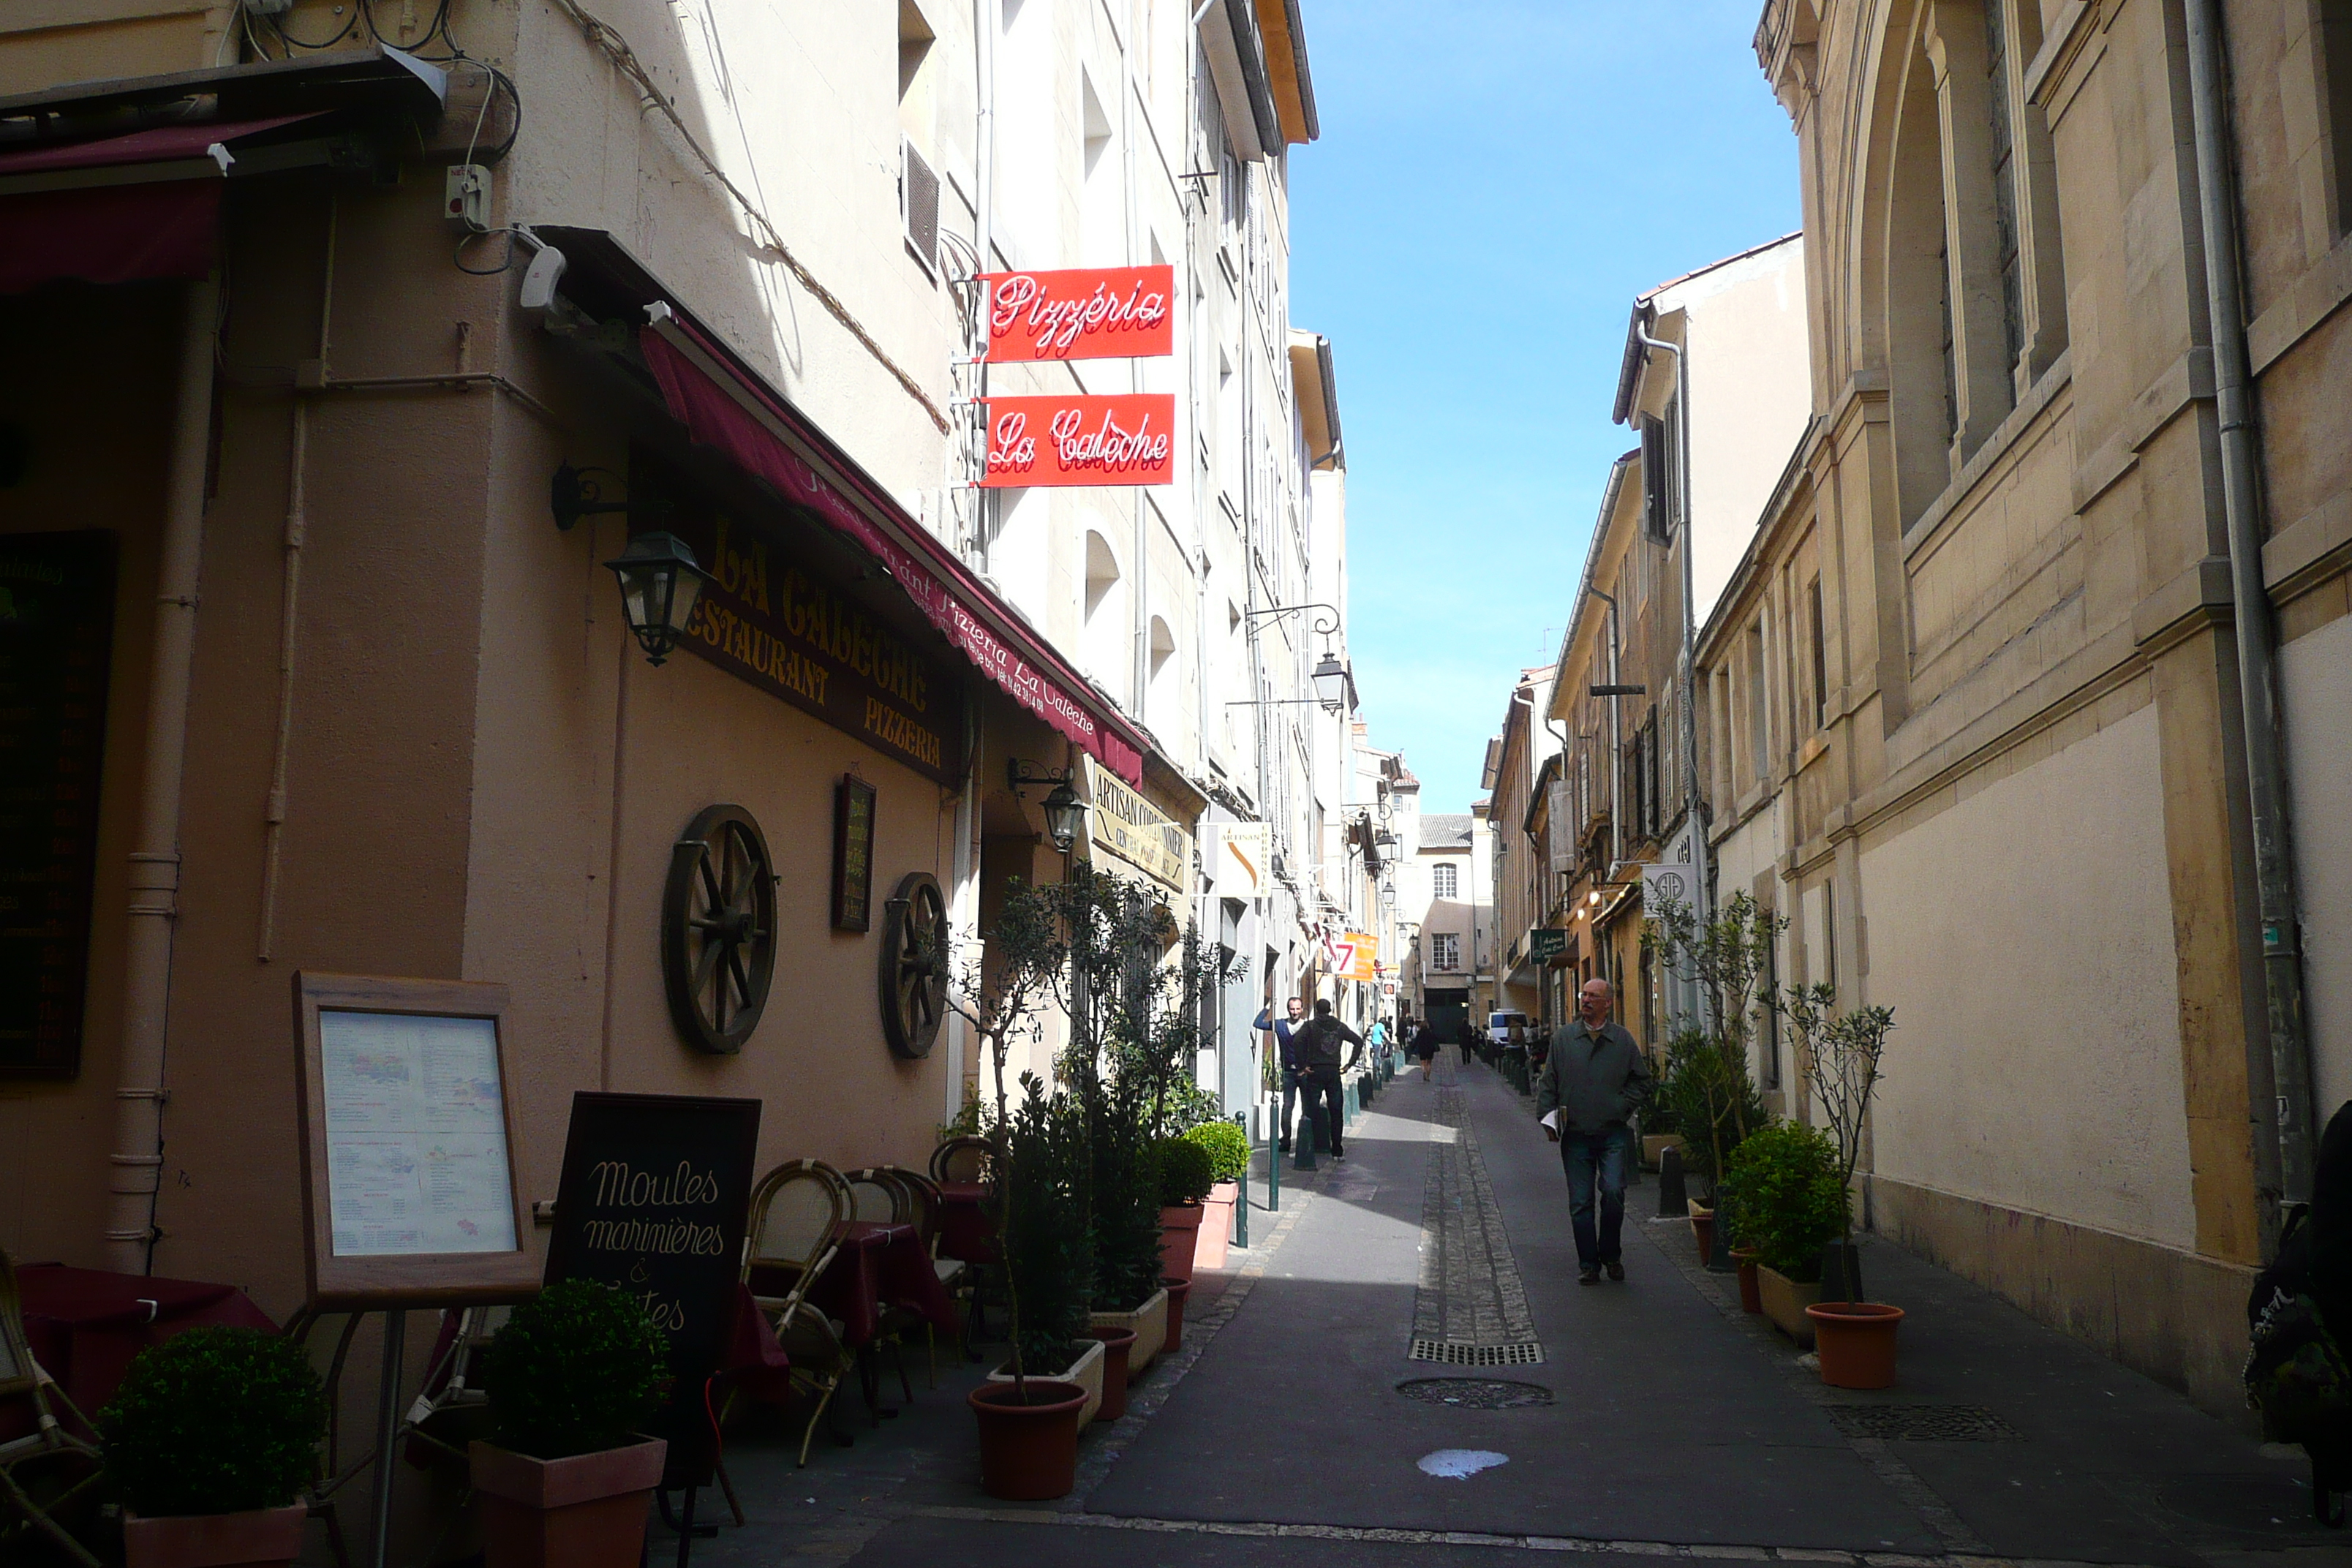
[(137, 1164), (1690, 632), (2258, 693)]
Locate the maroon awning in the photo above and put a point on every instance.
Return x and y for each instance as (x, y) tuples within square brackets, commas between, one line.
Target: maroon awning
[(156, 215), (724, 404)]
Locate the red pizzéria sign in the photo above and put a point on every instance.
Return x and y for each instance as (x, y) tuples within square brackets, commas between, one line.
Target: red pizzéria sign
[(1075, 439), (1080, 312)]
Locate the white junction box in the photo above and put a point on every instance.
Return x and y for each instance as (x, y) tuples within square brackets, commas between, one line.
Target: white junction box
[(465, 196)]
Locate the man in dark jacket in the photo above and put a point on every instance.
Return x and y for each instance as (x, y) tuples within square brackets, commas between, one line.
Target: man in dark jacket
[(1285, 1047), (1319, 1082), (1595, 1079)]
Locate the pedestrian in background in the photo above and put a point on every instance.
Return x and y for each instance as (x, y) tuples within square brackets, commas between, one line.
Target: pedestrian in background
[(1468, 1037), (1424, 1046), (1594, 1080), (1286, 1058), (1318, 1053)]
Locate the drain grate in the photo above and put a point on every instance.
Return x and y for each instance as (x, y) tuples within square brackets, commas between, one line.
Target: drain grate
[(1476, 1392), (1924, 1423), (1452, 1354)]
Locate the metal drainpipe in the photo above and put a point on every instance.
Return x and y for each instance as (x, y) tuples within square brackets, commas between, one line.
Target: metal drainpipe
[(1701, 902), (137, 1162), (2257, 694), (986, 505)]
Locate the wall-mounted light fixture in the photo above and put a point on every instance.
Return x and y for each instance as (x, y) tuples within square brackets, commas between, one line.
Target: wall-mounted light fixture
[(660, 579), (1065, 814)]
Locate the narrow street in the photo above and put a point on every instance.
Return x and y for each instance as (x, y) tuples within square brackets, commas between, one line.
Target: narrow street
[(1664, 1422)]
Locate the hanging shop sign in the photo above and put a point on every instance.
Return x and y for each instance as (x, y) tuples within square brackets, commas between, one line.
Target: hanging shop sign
[(1547, 942), (1080, 312), (1356, 955), (654, 1198), (1244, 850), (1123, 824), (1078, 438), (1669, 883), (767, 618), (56, 635)]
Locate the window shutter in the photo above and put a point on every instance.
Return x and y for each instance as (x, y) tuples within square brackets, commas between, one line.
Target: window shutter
[(1657, 481), (918, 203)]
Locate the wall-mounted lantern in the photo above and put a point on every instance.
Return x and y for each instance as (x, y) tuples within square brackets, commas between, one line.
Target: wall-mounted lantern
[(1065, 814), (660, 579)]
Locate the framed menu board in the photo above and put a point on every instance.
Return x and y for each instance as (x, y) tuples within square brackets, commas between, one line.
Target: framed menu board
[(853, 853), (408, 1143)]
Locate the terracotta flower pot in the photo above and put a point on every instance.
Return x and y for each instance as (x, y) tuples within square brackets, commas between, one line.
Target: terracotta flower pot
[(1180, 1228), (1028, 1452), (1703, 1231), (255, 1538), (1216, 1226), (1856, 1342), (1150, 1322), (1178, 1289), (1751, 1288), (1084, 1373), (584, 1511), (1116, 1344)]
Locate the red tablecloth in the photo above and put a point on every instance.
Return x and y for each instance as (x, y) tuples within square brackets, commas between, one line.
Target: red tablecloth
[(881, 1266), (754, 1363), (86, 1325), (964, 1230)]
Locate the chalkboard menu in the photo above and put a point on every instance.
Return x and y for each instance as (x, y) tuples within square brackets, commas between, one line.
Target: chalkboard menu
[(57, 629), (853, 853), (654, 1198)]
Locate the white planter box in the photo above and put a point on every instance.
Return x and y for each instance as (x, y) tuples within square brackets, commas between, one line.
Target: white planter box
[(1087, 1372), (1150, 1322)]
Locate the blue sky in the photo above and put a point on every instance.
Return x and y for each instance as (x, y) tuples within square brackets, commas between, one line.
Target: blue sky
[(1494, 185)]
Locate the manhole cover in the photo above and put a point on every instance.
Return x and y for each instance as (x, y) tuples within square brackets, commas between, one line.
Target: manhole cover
[(1923, 1423), (1476, 1392)]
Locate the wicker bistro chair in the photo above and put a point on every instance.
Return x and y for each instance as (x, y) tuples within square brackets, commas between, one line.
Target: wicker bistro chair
[(797, 1213), (970, 1159), (954, 1274), (51, 1471), (881, 1196)]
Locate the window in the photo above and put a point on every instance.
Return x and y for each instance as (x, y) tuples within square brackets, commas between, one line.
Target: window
[(919, 207), (2010, 256), (1821, 657), (1445, 881), (1445, 952), (1657, 481), (1760, 751), (2332, 20)]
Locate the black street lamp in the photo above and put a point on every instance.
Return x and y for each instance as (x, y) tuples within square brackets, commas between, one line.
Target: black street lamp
[(1334, 688), (1065, 815), (660, 579)]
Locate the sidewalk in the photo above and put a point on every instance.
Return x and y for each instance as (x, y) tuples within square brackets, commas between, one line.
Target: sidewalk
[(1676, 1426)]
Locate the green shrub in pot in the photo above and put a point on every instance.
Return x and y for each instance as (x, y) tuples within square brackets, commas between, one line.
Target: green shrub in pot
[(1187, 1171), (1228, 1148), (577, 1369), (1784, 1194), (214, 1420)]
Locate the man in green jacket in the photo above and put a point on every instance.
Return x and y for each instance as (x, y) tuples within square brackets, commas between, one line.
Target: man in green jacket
[(1594, 1079)]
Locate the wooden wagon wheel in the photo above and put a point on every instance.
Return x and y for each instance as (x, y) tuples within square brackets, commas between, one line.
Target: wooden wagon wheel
[(719, 929), (914, 965)]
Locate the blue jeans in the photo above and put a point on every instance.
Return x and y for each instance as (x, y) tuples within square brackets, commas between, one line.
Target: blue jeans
[(1586, 1155)]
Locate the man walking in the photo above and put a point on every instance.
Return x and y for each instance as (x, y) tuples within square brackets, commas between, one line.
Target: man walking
[(1318, 1055), (1595, 1078), (1286, 1054)]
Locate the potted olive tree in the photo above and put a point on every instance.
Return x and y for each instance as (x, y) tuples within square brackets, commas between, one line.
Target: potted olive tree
[(1839, 1054), (209, 1441), (1708, 1091), (1784, 1197), (1028, 1423), (572, 1377)]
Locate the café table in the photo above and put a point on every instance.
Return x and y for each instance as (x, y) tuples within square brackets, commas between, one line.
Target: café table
[(964, 1231), (878, 1266), (87, 1325)]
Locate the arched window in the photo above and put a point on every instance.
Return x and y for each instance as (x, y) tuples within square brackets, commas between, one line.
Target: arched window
[(1105, 637), (1164, 684)]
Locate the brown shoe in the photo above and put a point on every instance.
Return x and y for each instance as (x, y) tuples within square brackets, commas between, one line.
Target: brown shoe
[(1616, 1272), (1588, 1276)]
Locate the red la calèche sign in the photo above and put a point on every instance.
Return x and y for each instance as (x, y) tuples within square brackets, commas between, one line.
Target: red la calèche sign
[(1077, 438), (1080, 312)]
